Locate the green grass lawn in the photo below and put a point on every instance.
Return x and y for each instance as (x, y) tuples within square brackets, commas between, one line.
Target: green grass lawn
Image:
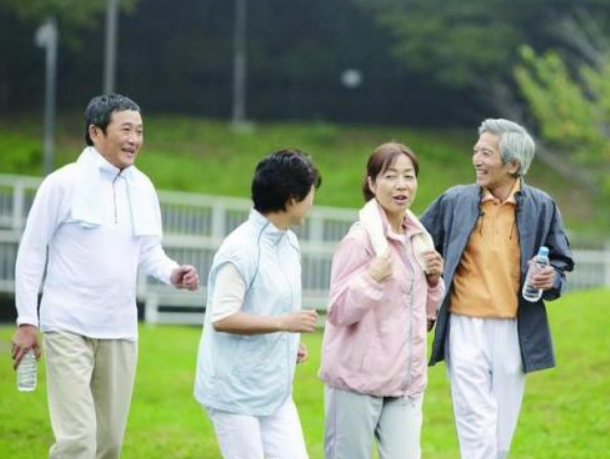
[(206, 156), (566, 412)]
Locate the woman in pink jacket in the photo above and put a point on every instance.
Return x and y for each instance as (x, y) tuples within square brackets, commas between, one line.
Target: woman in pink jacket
[(385, 287)]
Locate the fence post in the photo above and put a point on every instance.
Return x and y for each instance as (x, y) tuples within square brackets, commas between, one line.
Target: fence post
[(218, 222), (18, 205), (316, 228), (606, 264)]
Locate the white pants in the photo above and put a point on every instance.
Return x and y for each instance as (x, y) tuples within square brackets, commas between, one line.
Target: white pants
[(278, 436), (89, 384), (487, 384), (352, 419)]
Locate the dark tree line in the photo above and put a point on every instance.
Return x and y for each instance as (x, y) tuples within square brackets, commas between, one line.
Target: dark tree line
[(422, 62)]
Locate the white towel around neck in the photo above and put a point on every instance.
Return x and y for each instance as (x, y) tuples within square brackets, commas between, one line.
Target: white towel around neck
[(86, 203), (372, 222)]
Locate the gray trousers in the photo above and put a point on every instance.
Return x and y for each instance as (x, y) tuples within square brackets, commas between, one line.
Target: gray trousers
[(352, 420)]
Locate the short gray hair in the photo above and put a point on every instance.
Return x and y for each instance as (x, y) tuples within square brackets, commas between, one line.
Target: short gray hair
[(515, 142)]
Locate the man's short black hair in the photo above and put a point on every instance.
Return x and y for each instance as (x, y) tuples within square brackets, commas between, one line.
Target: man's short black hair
[(281, 176), (100, 110)]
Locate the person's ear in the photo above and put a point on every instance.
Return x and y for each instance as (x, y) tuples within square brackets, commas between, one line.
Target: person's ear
[(94, 131), (514, 167)]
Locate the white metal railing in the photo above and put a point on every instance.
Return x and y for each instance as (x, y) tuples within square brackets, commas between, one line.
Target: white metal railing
[(592, 269), (195, 224)]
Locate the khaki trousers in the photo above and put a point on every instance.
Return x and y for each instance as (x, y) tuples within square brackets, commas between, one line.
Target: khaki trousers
[(89, 384)]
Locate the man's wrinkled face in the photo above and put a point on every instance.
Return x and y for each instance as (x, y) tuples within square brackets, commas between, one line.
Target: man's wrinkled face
[(487, 161)]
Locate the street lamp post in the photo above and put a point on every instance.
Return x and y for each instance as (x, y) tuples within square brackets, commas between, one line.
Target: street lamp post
[(46, 37), (239, 64), (112, 17)]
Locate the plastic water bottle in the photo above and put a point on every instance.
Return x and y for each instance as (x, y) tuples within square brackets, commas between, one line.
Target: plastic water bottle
[(540, 261), (26, 373)]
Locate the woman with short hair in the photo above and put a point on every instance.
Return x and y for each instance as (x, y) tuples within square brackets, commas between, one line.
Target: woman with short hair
[(250, 344)]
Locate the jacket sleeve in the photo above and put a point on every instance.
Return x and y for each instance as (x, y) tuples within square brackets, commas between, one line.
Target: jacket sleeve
[(432, 219), (434, 299), (560, 254), (353, 292)]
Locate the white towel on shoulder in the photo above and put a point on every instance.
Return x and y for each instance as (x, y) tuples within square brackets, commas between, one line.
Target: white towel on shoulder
[(372, 222), (86, 204)]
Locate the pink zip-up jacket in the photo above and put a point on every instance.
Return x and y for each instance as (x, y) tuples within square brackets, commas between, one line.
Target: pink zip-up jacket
[(375, 334)]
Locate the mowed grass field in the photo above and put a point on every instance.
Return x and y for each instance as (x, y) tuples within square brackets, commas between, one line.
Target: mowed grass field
[(206, 156), (565, 415)]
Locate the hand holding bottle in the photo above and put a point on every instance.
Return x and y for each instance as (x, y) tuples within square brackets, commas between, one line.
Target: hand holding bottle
[(544, 278), (24, 340), (540, 276), (25, 353)]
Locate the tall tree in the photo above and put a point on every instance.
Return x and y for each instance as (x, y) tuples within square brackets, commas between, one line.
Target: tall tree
[(568, 92), (458, 43), (471, 43), (474, 44)]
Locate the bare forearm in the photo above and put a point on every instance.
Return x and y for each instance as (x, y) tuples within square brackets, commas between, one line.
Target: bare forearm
[(242, 323)]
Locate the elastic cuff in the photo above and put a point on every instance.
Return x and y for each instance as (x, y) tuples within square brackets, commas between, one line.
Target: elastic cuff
[(372, 288), (439, 285), (25, 320), (167, 278)]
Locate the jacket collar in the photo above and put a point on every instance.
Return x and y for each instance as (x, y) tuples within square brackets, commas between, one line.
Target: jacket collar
[(268, 231)]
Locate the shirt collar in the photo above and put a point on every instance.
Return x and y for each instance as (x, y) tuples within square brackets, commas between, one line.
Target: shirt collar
[(487, 196)]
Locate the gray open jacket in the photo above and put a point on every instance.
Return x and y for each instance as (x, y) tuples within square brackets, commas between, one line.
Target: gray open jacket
[(452, 217)]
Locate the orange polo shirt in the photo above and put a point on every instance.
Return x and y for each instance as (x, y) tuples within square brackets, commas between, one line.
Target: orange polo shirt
[(486, 282)]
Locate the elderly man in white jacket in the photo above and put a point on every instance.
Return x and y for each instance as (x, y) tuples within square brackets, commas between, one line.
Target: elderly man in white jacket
[(99, 219)]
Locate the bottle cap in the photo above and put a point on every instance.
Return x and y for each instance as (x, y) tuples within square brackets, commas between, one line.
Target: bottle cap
[(543, 251)]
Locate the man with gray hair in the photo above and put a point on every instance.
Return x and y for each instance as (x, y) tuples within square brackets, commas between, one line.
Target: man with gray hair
[(488, 334)]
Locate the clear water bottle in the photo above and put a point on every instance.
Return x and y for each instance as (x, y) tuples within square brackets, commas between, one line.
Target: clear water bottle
[(540, 261), (26, 373)]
